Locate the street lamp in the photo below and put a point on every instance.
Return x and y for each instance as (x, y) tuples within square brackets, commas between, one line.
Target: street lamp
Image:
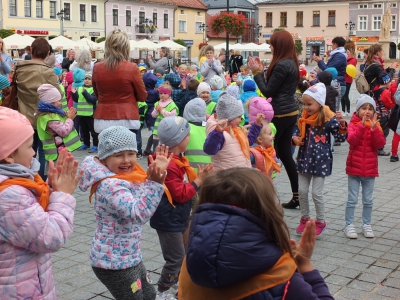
[(350, 26), (257, 29), (204, 27), (61, 17)]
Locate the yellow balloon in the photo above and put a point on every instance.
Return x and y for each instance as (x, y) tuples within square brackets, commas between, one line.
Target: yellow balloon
[(351, 71)]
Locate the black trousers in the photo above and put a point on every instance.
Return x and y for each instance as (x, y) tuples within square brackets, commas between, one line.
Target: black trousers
[(345, 99), (87, 129)]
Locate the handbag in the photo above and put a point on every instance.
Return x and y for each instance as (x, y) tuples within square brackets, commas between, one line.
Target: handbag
[(10, 97), (394, 118)]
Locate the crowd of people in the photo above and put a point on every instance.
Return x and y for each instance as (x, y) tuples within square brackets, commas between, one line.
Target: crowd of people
[(218, 139)]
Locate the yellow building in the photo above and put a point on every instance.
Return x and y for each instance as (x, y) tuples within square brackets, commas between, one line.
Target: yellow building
[(42, 18), (189, 17)]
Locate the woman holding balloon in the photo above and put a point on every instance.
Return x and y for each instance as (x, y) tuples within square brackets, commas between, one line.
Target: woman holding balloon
[(350, 74)]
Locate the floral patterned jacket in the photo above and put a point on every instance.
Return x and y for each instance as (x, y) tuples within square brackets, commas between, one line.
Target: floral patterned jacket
[(121, 208)]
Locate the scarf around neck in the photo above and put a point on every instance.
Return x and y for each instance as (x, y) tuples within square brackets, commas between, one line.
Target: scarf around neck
[(367, 123), (379, 61), (269, 161), (183, 162), (50, 108), (19, 171), (242, 138)]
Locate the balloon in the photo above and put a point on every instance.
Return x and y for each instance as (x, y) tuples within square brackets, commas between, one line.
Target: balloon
[(351, 71)]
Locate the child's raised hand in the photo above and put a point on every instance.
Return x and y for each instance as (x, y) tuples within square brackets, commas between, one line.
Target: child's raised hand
[(71, 113), (340, 118), (305, 247), (154, 173), (222, 124), (159, 108), (203, 171), (374, 121), (364, 120), (260, 118), (162, 159)]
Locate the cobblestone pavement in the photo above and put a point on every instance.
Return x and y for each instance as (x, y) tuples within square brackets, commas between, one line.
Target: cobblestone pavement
[(353, 269)]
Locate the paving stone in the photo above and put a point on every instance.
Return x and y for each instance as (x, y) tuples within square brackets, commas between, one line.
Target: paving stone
[(351, 293), (338, 280), (80, 295), (392, 282), (362, 285), (372, 277), (388, 292)]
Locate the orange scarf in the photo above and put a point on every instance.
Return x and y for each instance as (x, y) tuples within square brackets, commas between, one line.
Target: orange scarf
[(268, 159), (184, 163), (312, 121), (368, 124), (37, 184), (137, 175), (242, 138)]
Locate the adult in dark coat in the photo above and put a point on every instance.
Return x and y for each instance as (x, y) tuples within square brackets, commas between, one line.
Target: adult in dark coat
[(67, 61), (237, 62)]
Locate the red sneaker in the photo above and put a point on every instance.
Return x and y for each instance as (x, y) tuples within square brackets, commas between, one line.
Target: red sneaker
[(319, 227), (303, 222)]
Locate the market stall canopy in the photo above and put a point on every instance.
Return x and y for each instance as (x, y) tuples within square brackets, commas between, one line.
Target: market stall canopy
[(145, 44), (133, 44), (17, 41), (64, 43), (222, 46), (99, 46), (172, 45), (264, 48), (247, 47), (86, 44)]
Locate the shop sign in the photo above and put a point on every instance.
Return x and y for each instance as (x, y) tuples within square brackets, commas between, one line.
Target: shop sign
[(295, 35), (188, 43), (94, 33), (266, 35), (365, 39), (315, 38), (33, 32)]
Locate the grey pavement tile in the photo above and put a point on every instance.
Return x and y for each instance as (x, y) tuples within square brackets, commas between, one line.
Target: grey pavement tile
[(389, 292), (324, 267), (372, 277), (392, 282), (64, 263), (338, 280), (378, 270), (379, 247), (96, 287), (80, 294), (395, 274), (374, 296), (362, 285), (107, 294), (355, 265), (333, 288), (81, 257), (364, 259), (62, 288), (346, 272), (99, 298), (153, 265), (79, 281), (351, 293)]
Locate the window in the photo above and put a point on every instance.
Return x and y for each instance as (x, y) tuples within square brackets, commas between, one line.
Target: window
[(13, 7), (27, 8), (331, 17), (245, 13), (377, 22), (53, 10), (82, 12), (154, 18), (115, 17), (182, 26), (39, 9), (268, 22), (283, 19), (363, 6), (67, 11), (362, 22), (378, 5), (393, 5), (198, 28), (94, 13), (165, 20), (316, 18), (393, 23), (299, 18), (141, 17), (128, 18)]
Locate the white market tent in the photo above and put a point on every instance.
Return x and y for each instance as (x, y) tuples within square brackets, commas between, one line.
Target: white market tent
[(146, 44), (222, 46), (85, 43), (17, 41), (99, 46), (64, 43), (171, 45), (133, 44), (264, 47), (247, 47)]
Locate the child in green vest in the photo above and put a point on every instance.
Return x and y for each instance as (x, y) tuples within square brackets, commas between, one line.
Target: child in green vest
[(163, 108), (204, 92), (86, 99), (55, 127)]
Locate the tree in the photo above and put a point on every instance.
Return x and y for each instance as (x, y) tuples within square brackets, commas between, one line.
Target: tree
[(180, 42), (298, 46), (398, 46), (99, 40), (278, 29), (231, 23), (5, 33)]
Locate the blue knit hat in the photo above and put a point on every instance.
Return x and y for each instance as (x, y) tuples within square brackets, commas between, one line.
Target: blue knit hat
[(79, 76), (249, 86), (333, 71), (4, 82), (58, 71), (115, 139)]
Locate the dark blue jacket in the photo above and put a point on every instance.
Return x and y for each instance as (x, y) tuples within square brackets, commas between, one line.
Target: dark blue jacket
[(150, 80), (174, 80), (188, 95), (228, 245), (338, 60)]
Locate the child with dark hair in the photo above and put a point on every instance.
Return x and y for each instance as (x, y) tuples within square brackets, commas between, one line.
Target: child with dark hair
[(189, 94), (331, 93)]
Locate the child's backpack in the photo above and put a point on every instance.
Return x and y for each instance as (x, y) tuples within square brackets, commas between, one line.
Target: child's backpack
[(362, 84)]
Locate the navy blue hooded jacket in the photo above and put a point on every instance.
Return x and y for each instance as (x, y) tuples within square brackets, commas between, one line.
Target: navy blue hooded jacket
[(338, 60), (228, 245), (150, 80)]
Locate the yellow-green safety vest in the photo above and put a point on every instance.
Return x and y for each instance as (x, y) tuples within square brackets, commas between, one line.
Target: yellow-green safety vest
[(169, 107), (84, 108), (142, 111), (210, 107), (72, 141), (64, 101), (195, 153)]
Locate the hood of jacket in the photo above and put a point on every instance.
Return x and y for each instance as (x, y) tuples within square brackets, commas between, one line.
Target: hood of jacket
[(339, 50), (173, 79), (227, 245), (69, 77), (94, 171), (149, 80)]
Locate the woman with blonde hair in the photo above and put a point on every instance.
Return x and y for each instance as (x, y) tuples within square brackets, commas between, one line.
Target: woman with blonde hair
[(117, 85), (5, 60), (67, 61), (83, 61)]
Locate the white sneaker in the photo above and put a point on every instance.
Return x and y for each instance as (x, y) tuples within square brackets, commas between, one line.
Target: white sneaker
[(350, 231), (367, 231)]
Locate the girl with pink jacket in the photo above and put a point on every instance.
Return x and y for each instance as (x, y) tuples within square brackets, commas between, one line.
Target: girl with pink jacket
[(34, 219)]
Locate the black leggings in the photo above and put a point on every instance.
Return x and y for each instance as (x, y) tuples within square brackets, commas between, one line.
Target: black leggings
[(283, 147), (345, 99)]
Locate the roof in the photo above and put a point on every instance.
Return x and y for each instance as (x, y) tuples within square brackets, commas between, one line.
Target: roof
[(296, 1), (166, 2), (197, 4), (232, 4), (211, 35)]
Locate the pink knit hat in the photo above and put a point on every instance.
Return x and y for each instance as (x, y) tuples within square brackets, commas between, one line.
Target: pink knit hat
[(260, 105), (15, 130), (48, 93)]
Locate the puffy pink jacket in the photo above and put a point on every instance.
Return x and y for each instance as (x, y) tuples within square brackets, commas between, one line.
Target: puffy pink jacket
[(362, 159), (28, 236)]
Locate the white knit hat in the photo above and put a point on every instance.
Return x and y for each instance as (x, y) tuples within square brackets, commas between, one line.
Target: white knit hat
[(216, 82), (228, 107), (115, 139), (203, 87), (364, 99), (317, 92)]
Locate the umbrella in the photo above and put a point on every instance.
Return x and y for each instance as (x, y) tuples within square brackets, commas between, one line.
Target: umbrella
[(145, 44), (64, 43), (17, 41), (247, 47), (86, 44), (99, 46), (133, 44), (222, 46), (264, 48), (172, 45)]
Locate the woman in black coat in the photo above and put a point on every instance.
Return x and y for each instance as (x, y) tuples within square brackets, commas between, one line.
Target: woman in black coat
[(280, 84), (236, 62)]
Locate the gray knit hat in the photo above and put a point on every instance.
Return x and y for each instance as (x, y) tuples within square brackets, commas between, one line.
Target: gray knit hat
[(195, 111), (364, 99), (172, 130), (228, 107), (115, 139)]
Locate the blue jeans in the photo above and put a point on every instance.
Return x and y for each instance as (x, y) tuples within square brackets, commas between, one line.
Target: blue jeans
[(367, 184), (341, 94), (38, 148)]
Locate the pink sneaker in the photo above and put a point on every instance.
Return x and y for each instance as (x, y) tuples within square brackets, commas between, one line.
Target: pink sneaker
[(303, 222), (319, 227)]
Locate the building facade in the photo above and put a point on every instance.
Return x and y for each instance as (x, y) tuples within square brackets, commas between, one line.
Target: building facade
[(367, 17), (313, 23)]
